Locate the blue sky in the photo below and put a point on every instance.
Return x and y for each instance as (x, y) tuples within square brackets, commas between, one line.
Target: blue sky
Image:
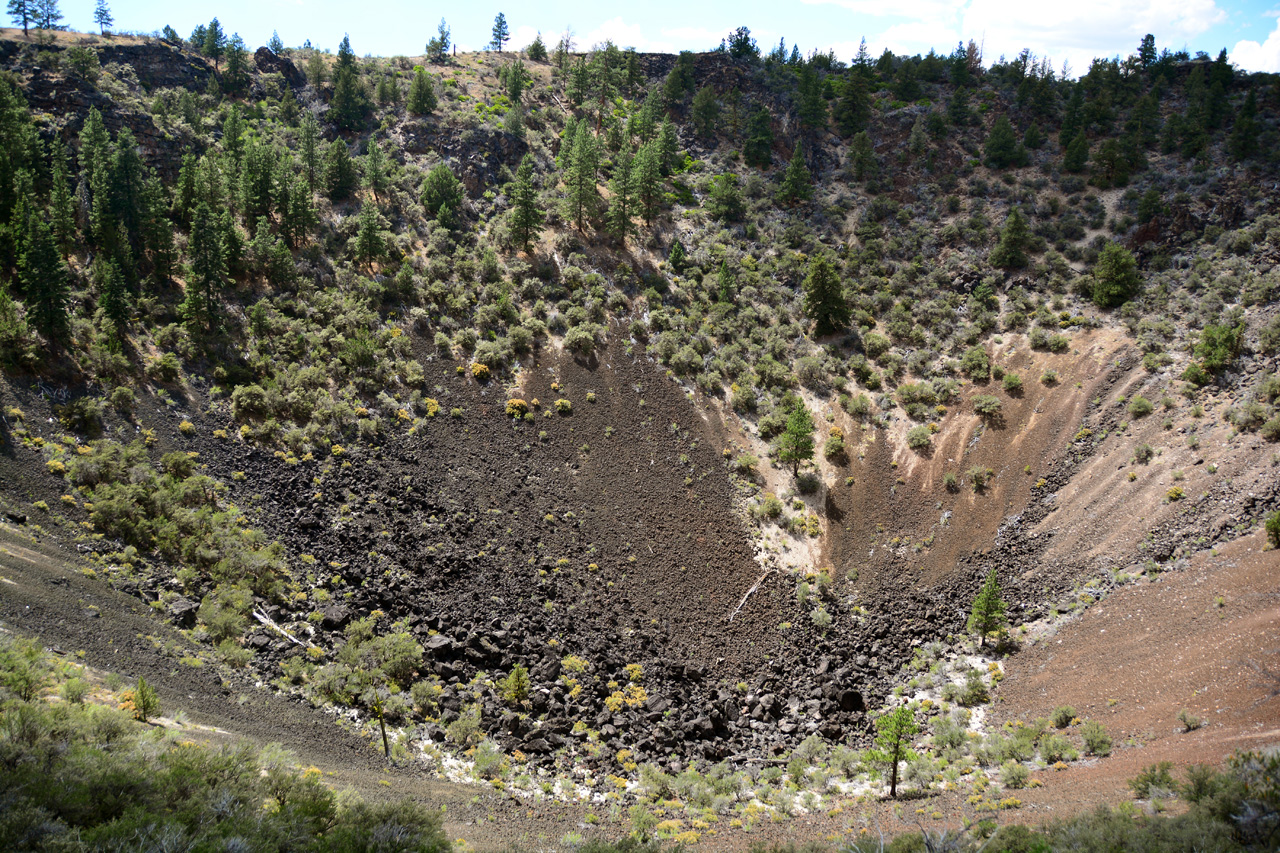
[(1063, 31)]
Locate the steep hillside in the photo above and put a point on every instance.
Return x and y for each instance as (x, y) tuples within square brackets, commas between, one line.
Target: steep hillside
[(628, 428)]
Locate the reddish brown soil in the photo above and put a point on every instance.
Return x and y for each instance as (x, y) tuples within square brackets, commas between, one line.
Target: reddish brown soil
[(1146, 652)]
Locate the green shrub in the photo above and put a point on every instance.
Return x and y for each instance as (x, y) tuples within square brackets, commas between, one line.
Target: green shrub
[(1190, 722), (1062, 716), (466, 729), (490, 763), (975, 364), (987, 406), (1140, 407), (1012, 383), (23, 668), (979, 477), (74, 690), (1096, 739), (514, 688), (1154, 780), (1014, 775), (919, 438), (233, 654), (1055, 748), (1273, 529), (975, 690), (146, 704)]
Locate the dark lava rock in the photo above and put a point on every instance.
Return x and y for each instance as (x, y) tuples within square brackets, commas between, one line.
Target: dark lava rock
[(335, 616), (439, 645), (183, 612)]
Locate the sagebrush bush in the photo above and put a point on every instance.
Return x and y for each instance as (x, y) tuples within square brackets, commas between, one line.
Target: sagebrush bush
[(1062, 716), (1096, 739), (1014, 775)]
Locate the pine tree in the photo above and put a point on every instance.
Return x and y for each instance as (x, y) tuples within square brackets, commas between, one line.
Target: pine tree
[(705, 112), (958, 112), (350, 102), (157, 229), (1033, 138), (442, 195), (62, 213), (95, 146), (667, 144), (146, 704), (339, 171), (824, 300), (48, 15), (1147, 51), (758, 148), (236, 76), (726, 284), (537, 49), (853, 109), (795, 445), (647, 176), (102, 17), (44, 278), (1243, 142), (275, 44), (501, 34), (724, 199), (811, 106), (1077, 154), (215, 42), (1072, 116), (581, 196), (987, 614), (797, 183), (422, 93), (438, 45), (233, 131), (676, 257), (185, 193), (894, 731), (1011, 251), (376, 170), (368, 243), (257, 180), (206, 269), (298, 215), (1115, 277), (621, 202), (113, 294), (309, 149), (1002, 148), (22, 12), (526, 215)]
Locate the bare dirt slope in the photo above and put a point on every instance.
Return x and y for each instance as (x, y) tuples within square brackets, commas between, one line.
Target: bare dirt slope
[(1189, 640)]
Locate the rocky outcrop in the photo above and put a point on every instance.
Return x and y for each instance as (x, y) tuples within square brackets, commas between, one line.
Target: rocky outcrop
[(476, 155), (159, 65), (268, 63)]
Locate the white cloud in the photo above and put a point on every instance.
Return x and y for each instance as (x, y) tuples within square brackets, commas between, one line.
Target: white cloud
[(523, 36), (695, 36), (1076, 31), (1252, 56), (624, 34)]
